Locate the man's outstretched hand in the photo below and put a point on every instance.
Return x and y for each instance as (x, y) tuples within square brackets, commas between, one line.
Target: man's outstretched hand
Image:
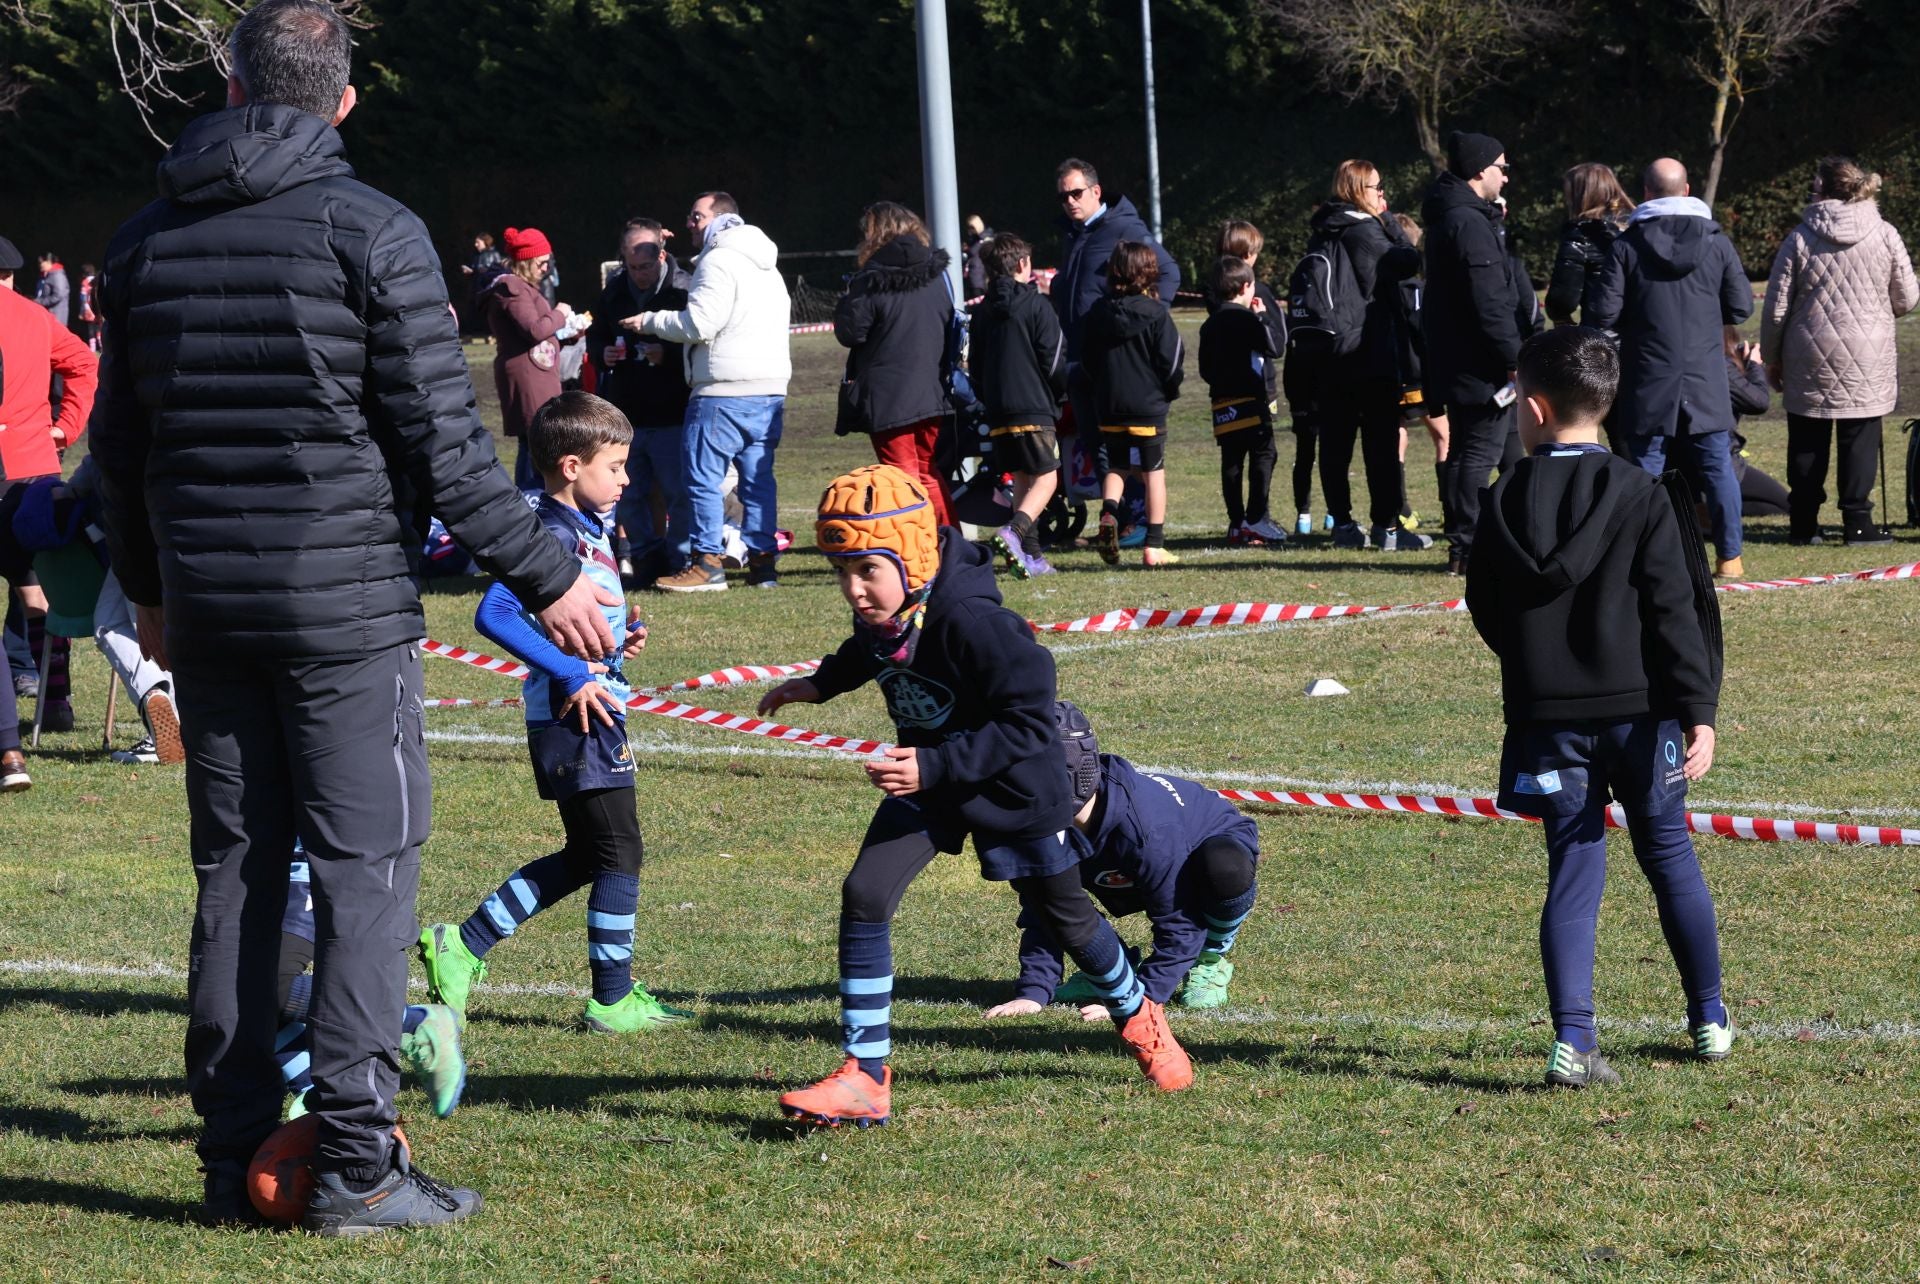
[(575, 622)]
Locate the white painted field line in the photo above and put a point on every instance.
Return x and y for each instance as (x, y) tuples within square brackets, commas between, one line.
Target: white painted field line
[(1814, 1029)]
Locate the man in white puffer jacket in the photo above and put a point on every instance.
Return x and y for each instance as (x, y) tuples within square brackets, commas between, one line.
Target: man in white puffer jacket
[(735, 331)]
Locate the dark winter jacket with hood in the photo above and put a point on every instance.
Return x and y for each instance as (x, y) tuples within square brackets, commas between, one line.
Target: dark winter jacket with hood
[(1381, 257), (1016, 355), (976, 699), (1082, 279), (1672, 284), (894, 316), (1584, 246), (1468, 315), (283, 402), (1133, 357), (649, 395), (1588, 581)]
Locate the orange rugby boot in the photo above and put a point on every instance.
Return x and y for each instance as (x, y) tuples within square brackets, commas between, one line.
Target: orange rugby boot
[(847, 1096), (1160, 1055)]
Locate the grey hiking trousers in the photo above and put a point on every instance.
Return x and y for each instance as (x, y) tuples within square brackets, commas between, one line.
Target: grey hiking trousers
[(330, 752)]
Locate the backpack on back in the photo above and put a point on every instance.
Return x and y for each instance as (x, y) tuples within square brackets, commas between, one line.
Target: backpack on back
[(1325, 311)]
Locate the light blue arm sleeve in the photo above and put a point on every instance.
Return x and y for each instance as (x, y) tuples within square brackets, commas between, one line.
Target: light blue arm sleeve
[(502, 620)]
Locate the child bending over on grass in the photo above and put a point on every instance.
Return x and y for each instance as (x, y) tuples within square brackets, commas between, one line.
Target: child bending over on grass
[(576, 735), (1152, 844), (1132, 354), (972, 694), (1591, 587), (1236, 353)]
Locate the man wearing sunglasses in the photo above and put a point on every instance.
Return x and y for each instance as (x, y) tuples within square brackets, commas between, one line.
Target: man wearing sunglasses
[(1470, 323), (1093, 226), (647, 379)]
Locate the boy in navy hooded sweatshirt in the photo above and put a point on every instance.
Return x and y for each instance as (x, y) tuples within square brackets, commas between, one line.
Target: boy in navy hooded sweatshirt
[(1588, 581), (972, 694)]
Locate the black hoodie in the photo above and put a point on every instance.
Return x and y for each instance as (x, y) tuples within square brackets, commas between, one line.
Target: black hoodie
[(1382, 258), (1134, 356), (976, 700), (283, 401), (1016, 355), (1468, 317), (1588, 581), (894, 316)]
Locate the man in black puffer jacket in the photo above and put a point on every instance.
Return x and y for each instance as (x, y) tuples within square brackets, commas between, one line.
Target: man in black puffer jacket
[(282, 402), (1469, 323)]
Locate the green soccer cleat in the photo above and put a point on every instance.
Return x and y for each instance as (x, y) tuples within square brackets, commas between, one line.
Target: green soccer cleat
[(297, 1107), (1569, 1069), (1206, 985), (638, 1011), (432, 1053), (451, 968), (1078, 990), (1713, 1042)]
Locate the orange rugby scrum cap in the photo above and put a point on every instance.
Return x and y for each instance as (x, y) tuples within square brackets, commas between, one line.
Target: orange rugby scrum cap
[(880, 509)]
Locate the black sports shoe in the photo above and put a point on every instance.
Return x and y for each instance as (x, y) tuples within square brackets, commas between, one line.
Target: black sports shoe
[(227, 1202), (405, 1197), (1569, 1069)]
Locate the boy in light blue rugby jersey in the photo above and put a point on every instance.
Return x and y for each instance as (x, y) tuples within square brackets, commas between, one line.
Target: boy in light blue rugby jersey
[(576, 735)]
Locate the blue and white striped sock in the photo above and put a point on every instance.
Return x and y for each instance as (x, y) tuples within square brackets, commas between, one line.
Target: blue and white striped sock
[(610, 913), (530, 889), (1104, 960), (1223, 920), (290, 1054), (866, 993)]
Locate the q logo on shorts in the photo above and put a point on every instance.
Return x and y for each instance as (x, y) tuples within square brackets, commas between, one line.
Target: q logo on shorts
[(1673, 753)]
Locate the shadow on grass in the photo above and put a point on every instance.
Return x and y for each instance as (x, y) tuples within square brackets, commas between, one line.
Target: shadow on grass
[(93, 1002), (982, 992), (53, 1124), (92, 1199)]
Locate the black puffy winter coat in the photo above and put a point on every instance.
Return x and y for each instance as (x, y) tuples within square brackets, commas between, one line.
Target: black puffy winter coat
[(1584, 246), (283, 401), (1468, 315), (894, 316)]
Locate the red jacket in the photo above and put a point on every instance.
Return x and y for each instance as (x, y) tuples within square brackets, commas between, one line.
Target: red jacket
[(33, 347)]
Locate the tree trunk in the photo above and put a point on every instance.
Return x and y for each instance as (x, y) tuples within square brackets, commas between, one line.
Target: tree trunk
[(1426, 125), (1723, 93)]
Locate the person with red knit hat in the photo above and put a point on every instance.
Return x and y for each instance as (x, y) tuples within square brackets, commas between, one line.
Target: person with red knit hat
[(527, 333)]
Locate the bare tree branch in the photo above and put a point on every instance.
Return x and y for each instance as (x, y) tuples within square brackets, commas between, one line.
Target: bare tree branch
[(12, 90), (161, 46), (1430, 56)]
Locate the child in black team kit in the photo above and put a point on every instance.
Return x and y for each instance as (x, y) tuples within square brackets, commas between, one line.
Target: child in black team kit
[(1236, 353), (972, 694), (1589, 583), (1154, 844), (1017, 360), (1132, 354)]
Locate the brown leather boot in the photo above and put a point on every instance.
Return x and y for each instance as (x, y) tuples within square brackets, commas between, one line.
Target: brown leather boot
[(704, 574), (13, 772)]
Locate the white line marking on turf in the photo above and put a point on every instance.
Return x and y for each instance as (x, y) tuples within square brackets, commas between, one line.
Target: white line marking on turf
[(1430, 1023)]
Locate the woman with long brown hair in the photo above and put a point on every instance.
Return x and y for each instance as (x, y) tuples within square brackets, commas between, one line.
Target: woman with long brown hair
[(894, 318), (1357, 393), (1597, 212)]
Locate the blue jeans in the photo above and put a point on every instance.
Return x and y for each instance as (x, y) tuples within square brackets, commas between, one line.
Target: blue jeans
[(1707, 458), (656, 459), (744, 432)]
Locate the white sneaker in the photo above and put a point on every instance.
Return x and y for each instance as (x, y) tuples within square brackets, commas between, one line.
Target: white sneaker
[(1266, 530), (141, 750), (1303, 524)]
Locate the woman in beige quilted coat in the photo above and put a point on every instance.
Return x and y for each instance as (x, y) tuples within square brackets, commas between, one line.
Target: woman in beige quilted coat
[(1826, 335)]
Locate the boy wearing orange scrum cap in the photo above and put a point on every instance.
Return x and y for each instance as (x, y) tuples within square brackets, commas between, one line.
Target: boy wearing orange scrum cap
[(972, 695)]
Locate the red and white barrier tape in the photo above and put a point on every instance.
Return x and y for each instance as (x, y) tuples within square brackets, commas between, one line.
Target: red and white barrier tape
[(1759, 829), (478, 659), (740, 675), (1906, 572), (817, 327)]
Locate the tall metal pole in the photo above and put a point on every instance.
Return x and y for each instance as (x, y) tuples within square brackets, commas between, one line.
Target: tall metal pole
[(936, 135), (1153, 127)]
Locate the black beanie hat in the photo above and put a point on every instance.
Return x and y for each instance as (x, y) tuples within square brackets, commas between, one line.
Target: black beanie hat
[(9, 256), (1468, 154)]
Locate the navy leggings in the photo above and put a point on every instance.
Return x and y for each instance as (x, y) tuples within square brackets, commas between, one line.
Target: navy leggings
[(1577, 874)]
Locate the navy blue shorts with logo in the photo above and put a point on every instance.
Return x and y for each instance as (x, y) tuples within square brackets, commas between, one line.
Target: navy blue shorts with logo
[(1553, 769), (1001, 859), (567, 761)]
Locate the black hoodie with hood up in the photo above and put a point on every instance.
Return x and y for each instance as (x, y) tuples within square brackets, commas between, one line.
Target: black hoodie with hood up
[(283, 401), (894, 316), (1133, 355), (1589, 583), (976, 699), (1016, 355)]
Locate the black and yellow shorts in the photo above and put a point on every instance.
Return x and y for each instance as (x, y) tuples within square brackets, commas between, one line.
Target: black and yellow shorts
[(1135, 448), (1024, 448)]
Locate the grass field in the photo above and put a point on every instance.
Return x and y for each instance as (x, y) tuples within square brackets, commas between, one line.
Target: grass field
[(1367, 1108)]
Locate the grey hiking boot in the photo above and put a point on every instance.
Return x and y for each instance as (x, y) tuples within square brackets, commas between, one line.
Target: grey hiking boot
[(403, 1198), (1569, 1069)]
